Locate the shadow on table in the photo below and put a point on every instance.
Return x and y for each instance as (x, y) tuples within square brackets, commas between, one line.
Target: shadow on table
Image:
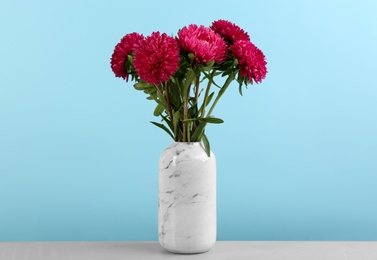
[(138, 250), (134, 248)]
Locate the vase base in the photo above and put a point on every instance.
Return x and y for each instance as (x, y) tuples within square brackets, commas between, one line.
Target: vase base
[(183, 252), (188, 251)]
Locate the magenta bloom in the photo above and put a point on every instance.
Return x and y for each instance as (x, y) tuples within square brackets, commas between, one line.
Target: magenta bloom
[(124, 48), (251, 61), (204, 43), (229, 31), (157, 58)]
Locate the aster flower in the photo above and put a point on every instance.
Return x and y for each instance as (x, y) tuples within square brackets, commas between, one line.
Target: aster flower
[(156, 58), (204, 43), (251, 61), (120, 55), (229, 31), (179, 73)]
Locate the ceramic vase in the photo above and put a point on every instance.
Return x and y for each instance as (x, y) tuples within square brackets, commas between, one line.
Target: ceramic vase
[(187, 198)]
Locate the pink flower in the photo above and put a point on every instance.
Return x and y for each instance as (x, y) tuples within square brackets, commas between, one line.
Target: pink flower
[(229, 31), (251, 61), (204, 43), (157, 58), (120, 55)]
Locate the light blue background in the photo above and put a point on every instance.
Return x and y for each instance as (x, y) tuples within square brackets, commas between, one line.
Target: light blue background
[(297, 155)]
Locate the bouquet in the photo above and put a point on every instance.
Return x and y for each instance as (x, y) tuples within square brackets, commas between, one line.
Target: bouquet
[(179, 73)]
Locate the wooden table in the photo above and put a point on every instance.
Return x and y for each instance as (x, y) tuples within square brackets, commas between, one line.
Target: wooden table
[(223, 250)]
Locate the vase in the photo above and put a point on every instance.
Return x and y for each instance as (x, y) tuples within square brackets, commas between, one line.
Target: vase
[(187, 198)]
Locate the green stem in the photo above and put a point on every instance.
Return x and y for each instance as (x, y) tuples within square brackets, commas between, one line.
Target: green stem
[(170, 111), (158, 89), (196, 101), (207, 93), (197, 90), (185, 115), (221, 92)]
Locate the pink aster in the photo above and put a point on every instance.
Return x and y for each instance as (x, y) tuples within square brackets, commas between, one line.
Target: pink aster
[(251, 61), (204, 43), (156, 58), (120, 55), (229, 31)]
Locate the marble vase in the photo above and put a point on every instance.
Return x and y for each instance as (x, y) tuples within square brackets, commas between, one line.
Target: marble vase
[(187, 198)]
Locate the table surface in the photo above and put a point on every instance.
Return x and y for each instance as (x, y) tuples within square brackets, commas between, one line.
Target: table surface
[(232, 250)]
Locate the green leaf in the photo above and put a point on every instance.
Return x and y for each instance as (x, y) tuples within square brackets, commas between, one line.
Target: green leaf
[(163, 127), (190, 76), (227, 72), (176, 117), (209, 98), (175, 96), (240, 89), (212, 120), (170, 124), (196, 136), (210, 64), (193, 111), (240, 80), (207, 146), (162, 101), (191, 56), (142, 85), (158, 110), (209, 76)]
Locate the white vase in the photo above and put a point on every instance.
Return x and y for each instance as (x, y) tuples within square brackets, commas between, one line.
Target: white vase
[(187, 198)]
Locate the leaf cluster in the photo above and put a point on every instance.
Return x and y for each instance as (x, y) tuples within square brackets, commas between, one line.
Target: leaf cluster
[(186, 101)]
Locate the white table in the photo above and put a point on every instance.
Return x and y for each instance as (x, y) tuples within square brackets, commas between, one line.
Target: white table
[(229, 250)]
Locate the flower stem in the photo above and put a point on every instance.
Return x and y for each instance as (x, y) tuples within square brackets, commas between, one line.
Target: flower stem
[(158, 89), (185, 115), (196, 100), (170, 109), (207, 93), (197, 90), (221, 92)]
